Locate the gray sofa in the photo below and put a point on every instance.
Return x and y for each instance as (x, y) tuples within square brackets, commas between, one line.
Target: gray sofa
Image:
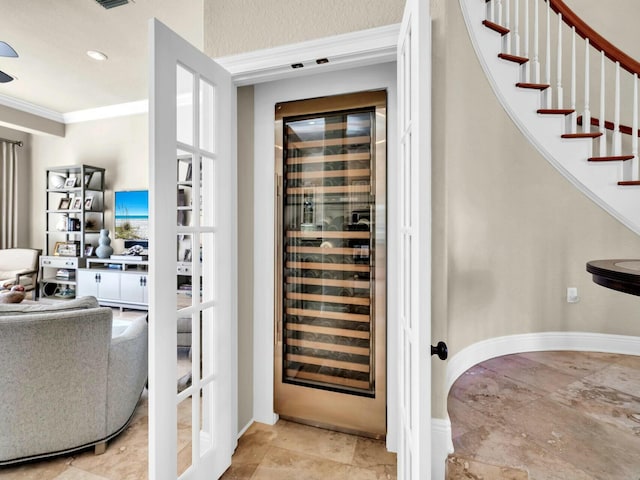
[(65, 384)]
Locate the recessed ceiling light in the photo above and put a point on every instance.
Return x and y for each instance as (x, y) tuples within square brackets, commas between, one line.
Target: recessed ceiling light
[(96, 55)]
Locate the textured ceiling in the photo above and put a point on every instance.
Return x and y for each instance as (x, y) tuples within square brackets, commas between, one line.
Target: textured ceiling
[(52, 37)]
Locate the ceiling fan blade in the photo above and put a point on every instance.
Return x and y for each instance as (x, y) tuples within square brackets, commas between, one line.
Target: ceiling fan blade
[(7, 50), (4, 78)]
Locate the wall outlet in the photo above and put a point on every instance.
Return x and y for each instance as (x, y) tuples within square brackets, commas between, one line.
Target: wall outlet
[(572, 295)]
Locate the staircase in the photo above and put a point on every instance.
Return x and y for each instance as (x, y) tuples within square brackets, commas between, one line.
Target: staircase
[(572, 94)]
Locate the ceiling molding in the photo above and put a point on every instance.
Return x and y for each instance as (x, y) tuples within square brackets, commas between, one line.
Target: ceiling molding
[(364, 47), (110, 111), (31, 108), (349, 50)]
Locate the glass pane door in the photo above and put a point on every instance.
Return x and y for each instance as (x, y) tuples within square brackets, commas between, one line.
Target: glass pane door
[(332, 222)]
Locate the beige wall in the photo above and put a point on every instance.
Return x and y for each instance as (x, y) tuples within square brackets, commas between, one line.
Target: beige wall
[(120, 145), (246, 25), (511, 234)]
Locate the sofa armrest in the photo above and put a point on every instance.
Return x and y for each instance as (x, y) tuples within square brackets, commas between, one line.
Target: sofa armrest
[(127, 373)]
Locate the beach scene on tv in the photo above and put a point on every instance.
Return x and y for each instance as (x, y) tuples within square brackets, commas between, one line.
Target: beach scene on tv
[(132, 215)]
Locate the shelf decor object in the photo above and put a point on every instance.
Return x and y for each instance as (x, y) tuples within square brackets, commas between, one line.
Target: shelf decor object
[(104, 249)]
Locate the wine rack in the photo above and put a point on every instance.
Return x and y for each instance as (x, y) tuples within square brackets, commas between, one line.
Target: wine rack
[(328, 222)]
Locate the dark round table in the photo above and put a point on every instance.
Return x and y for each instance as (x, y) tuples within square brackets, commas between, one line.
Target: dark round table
[(621, 275)]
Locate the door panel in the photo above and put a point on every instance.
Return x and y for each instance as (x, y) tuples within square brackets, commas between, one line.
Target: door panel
[(330, 361), (414, 272), (192, 423)]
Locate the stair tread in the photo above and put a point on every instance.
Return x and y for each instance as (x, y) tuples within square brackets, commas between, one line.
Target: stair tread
[(496, 27), (614, 158), (534, 86), (582, 135), (556, 111), (629, 182), (513, 58)]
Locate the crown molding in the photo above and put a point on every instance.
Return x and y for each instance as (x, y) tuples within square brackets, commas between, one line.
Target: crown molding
[(31, 108), (364, 47), (348, 50)]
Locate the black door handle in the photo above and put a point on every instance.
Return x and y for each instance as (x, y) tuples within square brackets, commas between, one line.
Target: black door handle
[(441, 350)]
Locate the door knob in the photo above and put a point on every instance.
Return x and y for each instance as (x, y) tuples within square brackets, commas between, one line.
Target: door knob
[(441, 350)]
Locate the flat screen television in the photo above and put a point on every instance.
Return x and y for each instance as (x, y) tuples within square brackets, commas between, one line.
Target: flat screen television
[(132, 215)]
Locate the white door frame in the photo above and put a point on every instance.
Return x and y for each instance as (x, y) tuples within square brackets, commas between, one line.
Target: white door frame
[(266, 95)]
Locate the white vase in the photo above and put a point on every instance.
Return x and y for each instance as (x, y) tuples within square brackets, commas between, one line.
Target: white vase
[(104, 249)]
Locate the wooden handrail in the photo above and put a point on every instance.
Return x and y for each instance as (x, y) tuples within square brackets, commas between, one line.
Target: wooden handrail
[(596, 40)]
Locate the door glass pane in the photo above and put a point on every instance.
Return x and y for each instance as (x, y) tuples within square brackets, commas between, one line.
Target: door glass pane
[(184, 271), (328, 222), (207, 195), (185, 435), (184, 104), (206, 256), (207, 118), (184, 190)]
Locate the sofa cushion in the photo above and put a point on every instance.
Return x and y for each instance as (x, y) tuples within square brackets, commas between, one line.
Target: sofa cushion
[(62, 306)]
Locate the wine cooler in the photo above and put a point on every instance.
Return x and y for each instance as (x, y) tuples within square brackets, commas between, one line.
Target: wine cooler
[(330, 355)]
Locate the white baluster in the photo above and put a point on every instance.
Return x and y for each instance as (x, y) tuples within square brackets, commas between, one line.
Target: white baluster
[(536, 43), (547, 67), (586, 115), (635, 168), (506, 39), (516, 28), (499, 12), (492, 11), (559, 64), (617, 137), (603, 131), (572, 119)]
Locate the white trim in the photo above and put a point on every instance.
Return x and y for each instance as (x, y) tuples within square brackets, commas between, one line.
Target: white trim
[(245, 428), (538, 342), (31, 108), (349, 50), (441, 446), (110, 111)]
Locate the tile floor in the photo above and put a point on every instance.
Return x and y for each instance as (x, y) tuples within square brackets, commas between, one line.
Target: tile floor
[(537, 416), (555, 415)]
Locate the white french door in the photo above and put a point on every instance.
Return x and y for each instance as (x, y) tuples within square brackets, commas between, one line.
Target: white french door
[(192, 194), (414, 219)]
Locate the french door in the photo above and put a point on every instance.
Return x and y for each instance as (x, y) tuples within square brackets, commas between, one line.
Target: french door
[(192, 193), (414, 267)]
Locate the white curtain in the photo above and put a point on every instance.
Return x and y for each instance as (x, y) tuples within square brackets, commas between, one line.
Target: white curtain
[(8, 195)]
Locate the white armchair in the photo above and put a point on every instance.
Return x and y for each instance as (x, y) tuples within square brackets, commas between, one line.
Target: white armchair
[(19, 266)]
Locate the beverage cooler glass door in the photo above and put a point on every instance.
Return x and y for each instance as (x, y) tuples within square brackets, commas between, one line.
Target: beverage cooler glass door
[(330, 331)]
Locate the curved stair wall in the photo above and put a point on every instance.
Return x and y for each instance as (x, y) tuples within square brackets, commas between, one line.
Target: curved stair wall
[(571, 93)]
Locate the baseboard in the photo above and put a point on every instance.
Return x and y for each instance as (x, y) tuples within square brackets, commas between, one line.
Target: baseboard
[(245, 428), (441, 446), (538, 342)]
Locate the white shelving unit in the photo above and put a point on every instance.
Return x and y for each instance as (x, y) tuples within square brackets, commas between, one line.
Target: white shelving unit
[(74, 215)]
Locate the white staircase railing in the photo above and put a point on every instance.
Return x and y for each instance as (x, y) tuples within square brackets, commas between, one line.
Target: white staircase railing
[(565, 70)]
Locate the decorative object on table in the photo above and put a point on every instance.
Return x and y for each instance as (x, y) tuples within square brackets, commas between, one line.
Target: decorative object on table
[(67, 249), (70, 182), (61, 225), (104, 249), (88, 250), (87, 179), (77, 203), (15, 295), (135, 253), (56, 181), (88, 202), (64, 203), (89, 224)]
